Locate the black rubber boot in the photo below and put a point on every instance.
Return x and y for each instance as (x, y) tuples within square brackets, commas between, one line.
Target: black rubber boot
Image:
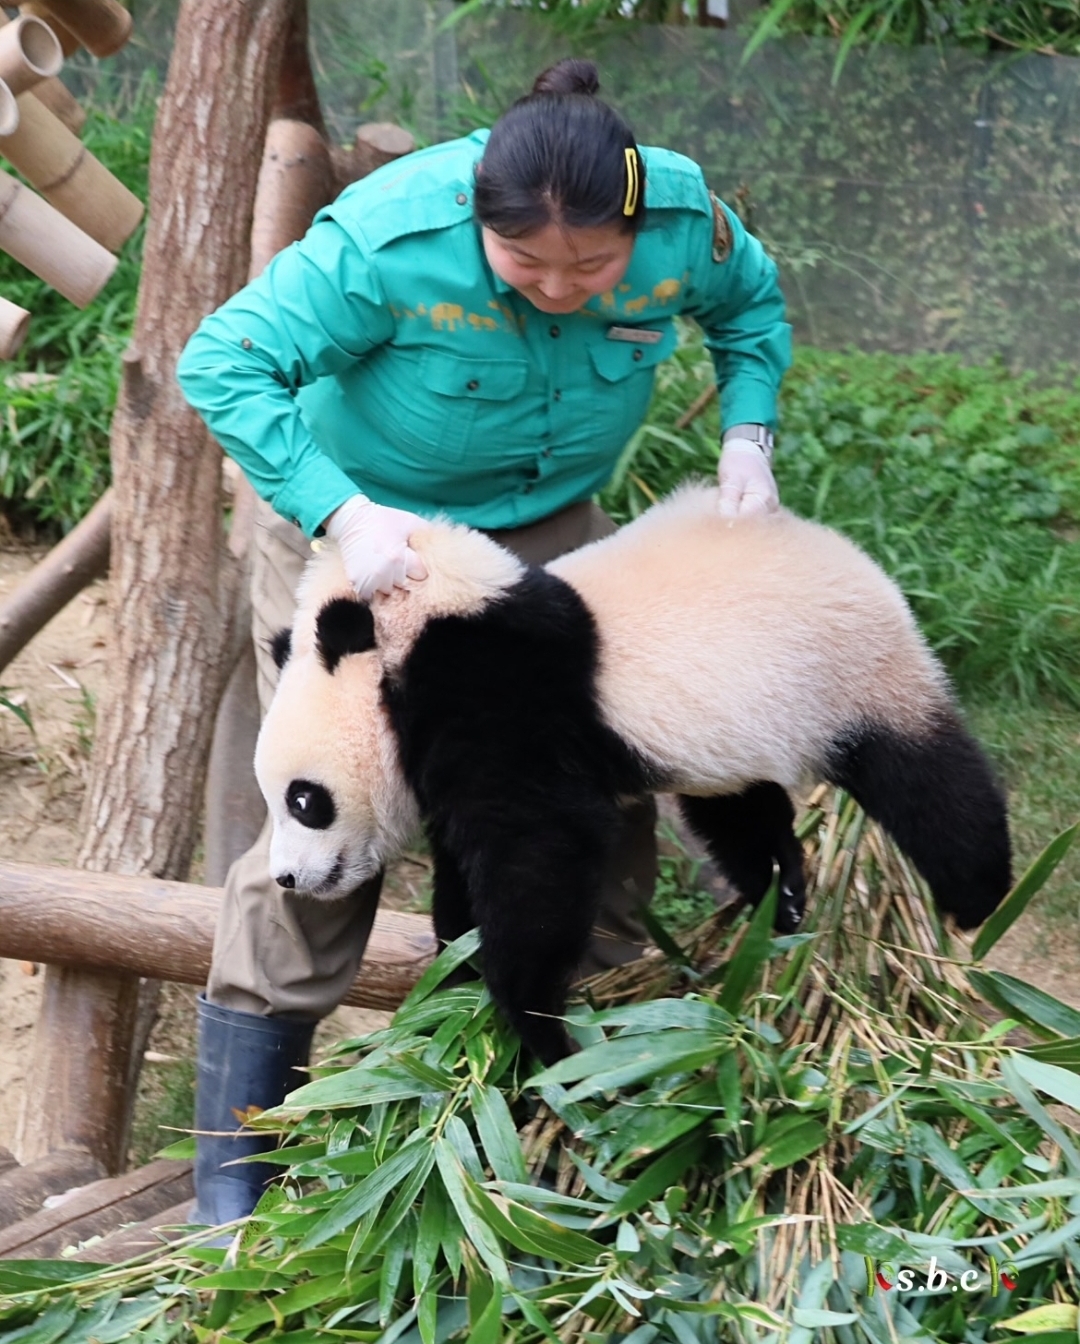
[(244, 1060)]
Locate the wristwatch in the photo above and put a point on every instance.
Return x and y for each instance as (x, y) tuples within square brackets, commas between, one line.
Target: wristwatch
[(759, 434)]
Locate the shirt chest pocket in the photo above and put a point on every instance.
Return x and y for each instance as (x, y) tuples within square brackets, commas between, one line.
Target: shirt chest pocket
[(473, 399), (623, 373), (617, 360)]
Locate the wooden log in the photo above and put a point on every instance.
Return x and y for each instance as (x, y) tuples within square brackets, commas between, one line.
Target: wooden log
[(88, 1078), (98, 1209), (138, 1238), (56, 162), (47, 243), (29, 53), (81, 557), (101, 26), (23, 1190), (165, 930), (295, 180), (375, 143), (14, 322)]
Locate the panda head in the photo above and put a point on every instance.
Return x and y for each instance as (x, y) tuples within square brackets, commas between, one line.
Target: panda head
[(325, 758)]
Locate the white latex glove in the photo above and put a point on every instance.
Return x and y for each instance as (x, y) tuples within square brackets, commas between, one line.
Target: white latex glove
[(746, 480), (374, 545)]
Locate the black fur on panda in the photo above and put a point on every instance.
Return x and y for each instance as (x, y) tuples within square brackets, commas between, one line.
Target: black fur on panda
[(517, 709)]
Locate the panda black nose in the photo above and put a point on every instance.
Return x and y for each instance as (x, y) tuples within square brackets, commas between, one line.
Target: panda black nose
[(287, 880)]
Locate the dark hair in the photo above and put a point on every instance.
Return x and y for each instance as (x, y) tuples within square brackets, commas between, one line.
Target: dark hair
[(559, 155)]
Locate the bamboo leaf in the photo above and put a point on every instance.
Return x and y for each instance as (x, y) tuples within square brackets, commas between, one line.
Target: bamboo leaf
[(1062, 1084), (453, 955), (495, 1126), (1030, 1005), (1021, 896), (670, 1169), (488, 1327), (630, 1059), (752, 954), (370, 1193), (456, 1179), (1050, 1316)]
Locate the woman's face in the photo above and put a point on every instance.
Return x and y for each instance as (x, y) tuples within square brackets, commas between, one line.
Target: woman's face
[(559, 269)]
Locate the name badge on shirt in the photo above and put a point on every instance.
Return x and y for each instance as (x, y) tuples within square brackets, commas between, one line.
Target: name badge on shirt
[(636, 335)]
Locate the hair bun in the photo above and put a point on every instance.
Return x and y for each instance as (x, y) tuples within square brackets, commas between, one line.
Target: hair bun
[(568, 76)]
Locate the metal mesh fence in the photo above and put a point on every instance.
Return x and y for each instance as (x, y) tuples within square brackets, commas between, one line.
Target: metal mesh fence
[(917, 200)]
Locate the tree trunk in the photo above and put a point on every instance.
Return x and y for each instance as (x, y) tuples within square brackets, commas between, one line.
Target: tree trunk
[(175, 584)]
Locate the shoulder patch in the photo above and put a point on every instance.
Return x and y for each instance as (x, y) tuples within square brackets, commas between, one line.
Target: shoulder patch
[(281, 647), (343, 626), (721, 237)]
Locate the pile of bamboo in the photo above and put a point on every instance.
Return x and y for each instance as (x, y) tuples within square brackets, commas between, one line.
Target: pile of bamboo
[(74, 216)]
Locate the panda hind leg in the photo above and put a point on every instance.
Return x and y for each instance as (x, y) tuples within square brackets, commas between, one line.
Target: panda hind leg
[(746, 834), (937, 796)]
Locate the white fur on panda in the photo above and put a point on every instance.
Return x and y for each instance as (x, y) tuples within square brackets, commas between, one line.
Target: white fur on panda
[(730, 653)]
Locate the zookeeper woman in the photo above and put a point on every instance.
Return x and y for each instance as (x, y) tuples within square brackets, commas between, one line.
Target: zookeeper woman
[(472, 330)]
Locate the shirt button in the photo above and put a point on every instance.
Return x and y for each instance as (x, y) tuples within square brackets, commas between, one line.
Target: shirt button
[(546, 452), (473, 384), (461, 198), (558, 395), (246, 343), (555, 331), (527, 490), (637, 355)]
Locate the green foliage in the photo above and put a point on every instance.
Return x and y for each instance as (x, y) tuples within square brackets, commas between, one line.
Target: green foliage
[(1025, 25), (711, 1166), (961, 482), (54, 444)]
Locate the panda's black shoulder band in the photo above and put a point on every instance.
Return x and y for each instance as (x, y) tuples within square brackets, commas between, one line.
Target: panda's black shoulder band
[(281, 647), (343, 626)]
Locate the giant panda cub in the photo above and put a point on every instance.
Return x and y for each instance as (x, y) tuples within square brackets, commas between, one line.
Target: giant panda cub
[(517, 709)]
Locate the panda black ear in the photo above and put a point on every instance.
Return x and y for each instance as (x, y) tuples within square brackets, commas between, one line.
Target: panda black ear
[(281, 647), (344, 626)]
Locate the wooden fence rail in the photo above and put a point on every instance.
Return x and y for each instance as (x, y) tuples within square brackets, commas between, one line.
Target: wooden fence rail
[(165, 930)]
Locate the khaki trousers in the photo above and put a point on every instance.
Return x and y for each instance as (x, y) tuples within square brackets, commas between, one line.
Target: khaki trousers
[(283, 954)]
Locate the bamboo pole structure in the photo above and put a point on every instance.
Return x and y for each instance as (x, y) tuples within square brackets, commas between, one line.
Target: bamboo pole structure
[(55, 95), (106, 923), (58, 165), (14, 322), (29, 53), (101, 26), (9, 110), (51, 246)]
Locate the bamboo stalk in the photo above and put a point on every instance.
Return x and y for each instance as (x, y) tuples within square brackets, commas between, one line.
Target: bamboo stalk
[(9, 110), (101, 26), (54, 95), (29, 53), (43, 241), (72, 180), (13, 324)]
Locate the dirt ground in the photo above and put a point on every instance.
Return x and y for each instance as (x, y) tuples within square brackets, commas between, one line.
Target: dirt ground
[(57, 679)]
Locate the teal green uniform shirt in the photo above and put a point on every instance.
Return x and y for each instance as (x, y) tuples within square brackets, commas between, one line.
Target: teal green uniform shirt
[(381, 353)]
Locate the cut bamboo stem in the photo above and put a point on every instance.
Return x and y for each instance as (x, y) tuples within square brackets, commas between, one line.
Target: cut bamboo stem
[(29, 53), (54, 95), (13, 324), (9, 110), (71, 179), (43, 241), (101, 26)]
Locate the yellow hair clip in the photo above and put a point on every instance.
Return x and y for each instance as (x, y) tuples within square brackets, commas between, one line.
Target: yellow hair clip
[(633, 182)]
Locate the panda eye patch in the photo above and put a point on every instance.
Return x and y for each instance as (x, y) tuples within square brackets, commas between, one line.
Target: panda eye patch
[(310, 804)]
